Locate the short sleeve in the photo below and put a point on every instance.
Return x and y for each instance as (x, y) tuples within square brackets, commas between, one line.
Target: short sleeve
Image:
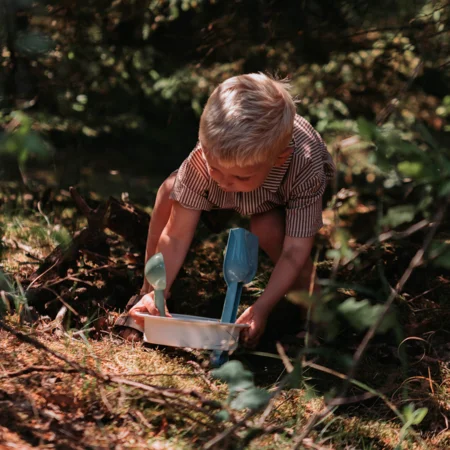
[(304, 207), (191, 183)]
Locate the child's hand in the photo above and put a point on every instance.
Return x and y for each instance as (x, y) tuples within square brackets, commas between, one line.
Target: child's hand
[(257, 320), (146, 305)]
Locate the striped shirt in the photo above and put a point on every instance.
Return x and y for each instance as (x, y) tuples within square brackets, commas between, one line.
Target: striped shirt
[(297, 185)]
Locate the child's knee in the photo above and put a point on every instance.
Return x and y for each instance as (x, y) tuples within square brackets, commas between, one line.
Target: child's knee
[(269, 227), (267, 222)]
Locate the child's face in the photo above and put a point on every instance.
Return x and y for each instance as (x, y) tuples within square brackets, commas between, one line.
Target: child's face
[(237, 179)]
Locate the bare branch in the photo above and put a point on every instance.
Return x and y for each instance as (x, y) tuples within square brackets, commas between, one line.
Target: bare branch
[(81, 204), (33, 369)]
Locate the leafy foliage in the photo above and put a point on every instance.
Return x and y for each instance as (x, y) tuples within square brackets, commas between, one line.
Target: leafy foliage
[(243, 392), (12, 297), (440, 254), (23, 142), (139, 76), (362, 315), (33, 44), (411, 416)]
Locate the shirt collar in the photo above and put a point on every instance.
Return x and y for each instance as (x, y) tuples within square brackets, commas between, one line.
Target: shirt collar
[(273, 181)]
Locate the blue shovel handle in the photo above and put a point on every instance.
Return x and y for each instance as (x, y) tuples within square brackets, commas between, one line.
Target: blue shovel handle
[(231, 304), (229, 314), (159, 302)]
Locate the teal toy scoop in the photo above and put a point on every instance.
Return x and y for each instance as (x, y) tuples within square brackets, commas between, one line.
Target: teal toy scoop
[(239, 268), (155, 273)]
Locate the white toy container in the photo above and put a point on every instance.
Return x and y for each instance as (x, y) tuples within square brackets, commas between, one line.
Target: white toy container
[(191, 331)]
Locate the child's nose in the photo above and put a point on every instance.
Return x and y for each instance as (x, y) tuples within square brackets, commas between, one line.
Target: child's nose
[(223, 180), (226, 182)]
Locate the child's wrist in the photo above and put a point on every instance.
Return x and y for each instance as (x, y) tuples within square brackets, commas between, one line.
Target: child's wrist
[(265, 304), (261, 308)]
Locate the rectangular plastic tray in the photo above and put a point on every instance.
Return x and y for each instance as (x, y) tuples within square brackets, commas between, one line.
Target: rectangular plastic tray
[(191, 331)]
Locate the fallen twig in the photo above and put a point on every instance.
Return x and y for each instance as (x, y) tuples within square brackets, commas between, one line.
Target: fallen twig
[(54, 282), (201, 372), (33, 369), (383, 237), (289, 368)]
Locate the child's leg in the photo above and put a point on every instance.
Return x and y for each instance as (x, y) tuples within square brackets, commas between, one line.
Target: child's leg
[(270, 228)]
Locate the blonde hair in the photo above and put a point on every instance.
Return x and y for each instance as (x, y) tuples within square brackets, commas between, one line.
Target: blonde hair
[(247, 120)]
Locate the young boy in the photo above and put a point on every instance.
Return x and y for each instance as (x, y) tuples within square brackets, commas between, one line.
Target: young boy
[(256, 156)]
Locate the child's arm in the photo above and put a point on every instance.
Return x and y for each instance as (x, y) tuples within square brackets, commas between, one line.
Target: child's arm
[(173, 244), (294, 255), (176, 238)]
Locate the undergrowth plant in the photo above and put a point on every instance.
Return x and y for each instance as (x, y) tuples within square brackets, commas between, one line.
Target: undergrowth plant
[(12, 298)]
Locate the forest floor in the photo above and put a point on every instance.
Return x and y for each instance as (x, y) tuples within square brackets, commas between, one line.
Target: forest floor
[(86, 388)]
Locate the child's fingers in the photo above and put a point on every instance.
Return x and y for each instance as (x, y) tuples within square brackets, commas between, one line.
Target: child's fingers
[(134, 313), (245, 317), (252, 336), (139, 320), (145, 305), (167, 311), (247, 337), (149, 305), (244, 334), (252, 342)]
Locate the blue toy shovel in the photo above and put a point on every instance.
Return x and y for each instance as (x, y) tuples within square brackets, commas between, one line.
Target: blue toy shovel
[(155, 272), (239, 268)]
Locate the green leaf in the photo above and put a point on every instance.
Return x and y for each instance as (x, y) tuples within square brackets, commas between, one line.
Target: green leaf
[(23, 4), (5, 283), (362, 314), (413, 416), (252, 398), (412, 169), (408, 411), (34, 144), (443, 261), (398, 215), (34, 43), (62, 237), (419, 415), (296, 376), (302, 298), (444, 191), (237, 377), (222, 415), (426, 135), (310, 392), (367, 130), (6, 296), (440, 251)]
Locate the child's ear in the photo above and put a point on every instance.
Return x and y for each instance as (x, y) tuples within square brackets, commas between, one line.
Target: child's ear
[(283, 156)]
